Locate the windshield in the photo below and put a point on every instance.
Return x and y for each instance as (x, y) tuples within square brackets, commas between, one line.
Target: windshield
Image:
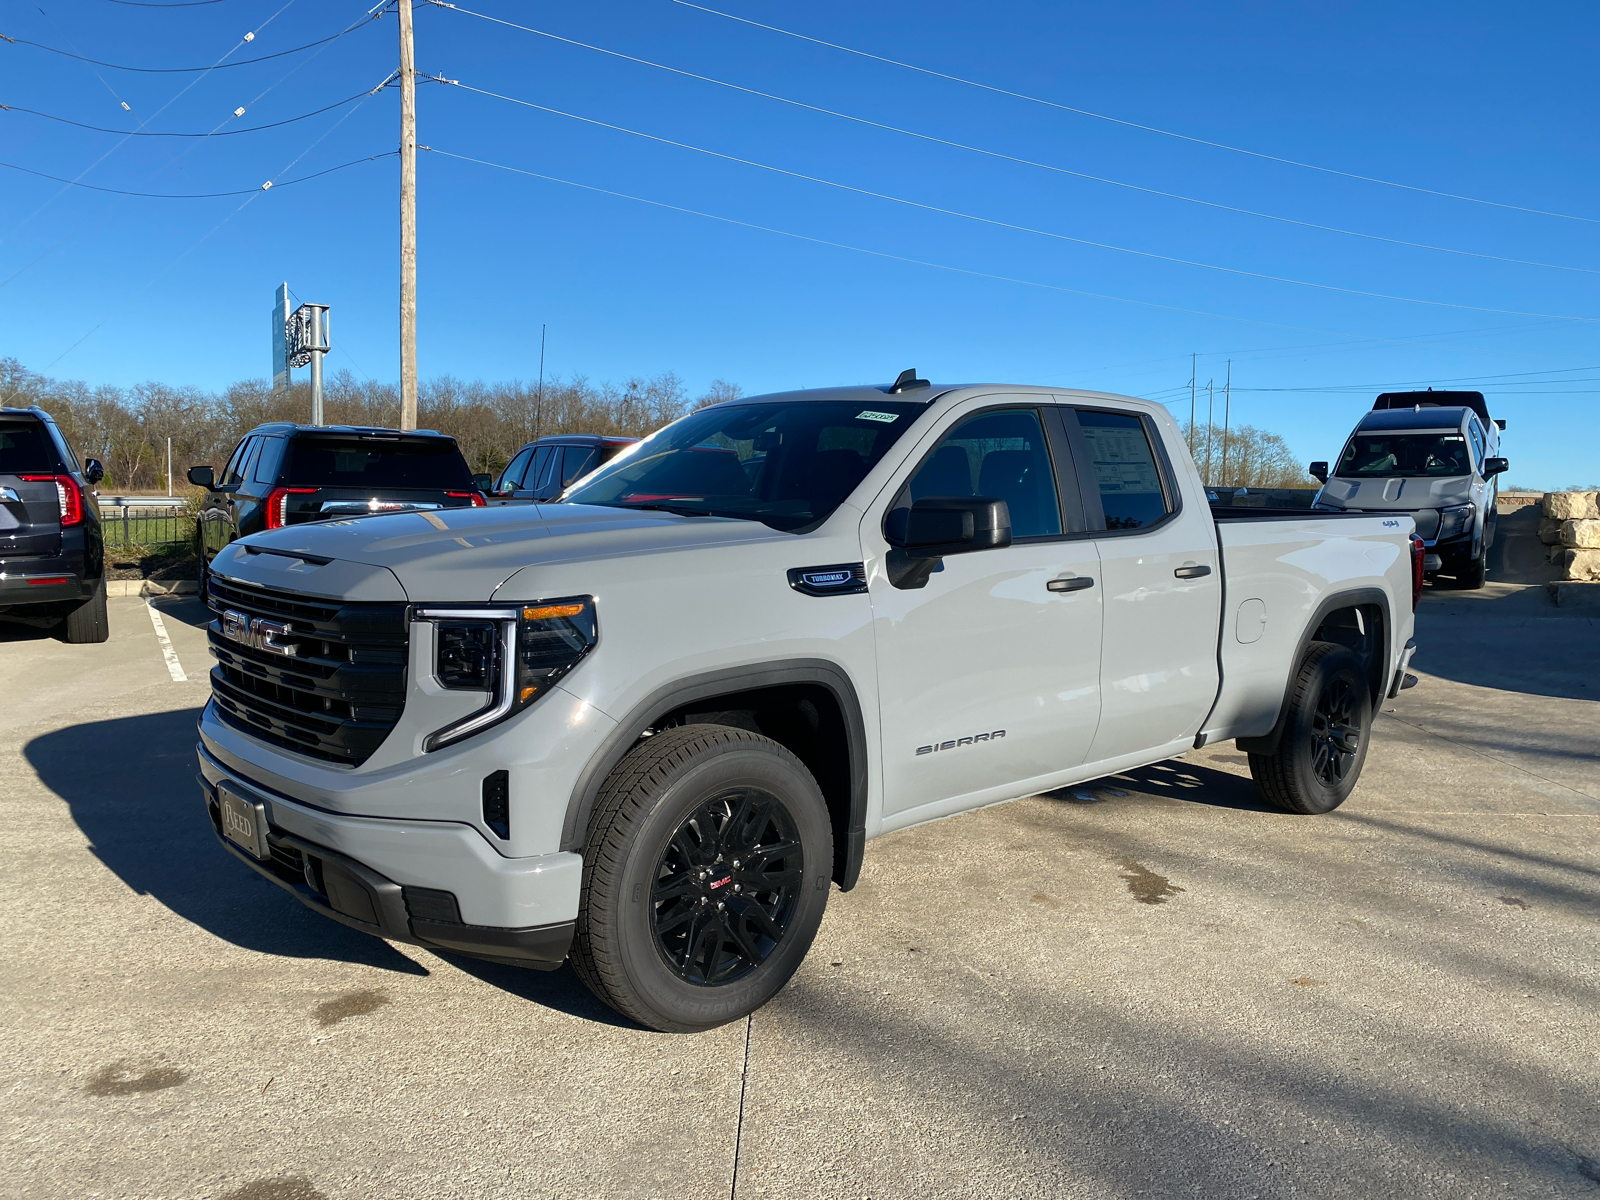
[(786, 465), (1390, 454), (376, 462)]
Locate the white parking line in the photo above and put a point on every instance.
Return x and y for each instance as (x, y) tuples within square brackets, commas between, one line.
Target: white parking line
[(167, 652)]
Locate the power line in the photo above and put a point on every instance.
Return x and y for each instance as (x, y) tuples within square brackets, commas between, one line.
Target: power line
[(1326, 287), (243, 62), (996, 154), (900, 258), (170, 134), (1084, 112), (198, 195)]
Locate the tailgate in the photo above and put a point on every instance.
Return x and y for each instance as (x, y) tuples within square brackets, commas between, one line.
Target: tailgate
[(30, 517)]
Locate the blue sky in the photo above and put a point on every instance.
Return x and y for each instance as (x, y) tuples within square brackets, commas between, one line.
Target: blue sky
[(1480, 100)]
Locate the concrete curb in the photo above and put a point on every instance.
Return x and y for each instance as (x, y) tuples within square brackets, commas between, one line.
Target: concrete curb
[(152, 587), (1573, 594)]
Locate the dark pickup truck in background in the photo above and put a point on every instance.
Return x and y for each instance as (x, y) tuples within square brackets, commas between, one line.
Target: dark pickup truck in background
[(284, 474), (52, 555)]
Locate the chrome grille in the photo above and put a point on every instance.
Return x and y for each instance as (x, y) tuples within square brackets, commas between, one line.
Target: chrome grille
[(340, 691)]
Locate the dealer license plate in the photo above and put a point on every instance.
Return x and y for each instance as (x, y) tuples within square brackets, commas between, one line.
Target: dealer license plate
[(244, 823)]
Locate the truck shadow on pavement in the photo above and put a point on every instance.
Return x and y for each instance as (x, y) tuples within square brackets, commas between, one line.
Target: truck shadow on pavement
[(130, 786)]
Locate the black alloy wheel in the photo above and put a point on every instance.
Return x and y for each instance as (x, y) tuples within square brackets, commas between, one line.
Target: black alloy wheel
[(726, 886), (1322, 745), (706, 871), (1335, 731)]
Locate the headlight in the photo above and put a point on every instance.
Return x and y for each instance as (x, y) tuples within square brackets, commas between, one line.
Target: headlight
[(516, 653), (1455, 521)]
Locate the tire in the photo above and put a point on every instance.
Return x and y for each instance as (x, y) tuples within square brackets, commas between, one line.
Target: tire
[(87, 623), (1472, 576), (669, 820), (1311, 773)]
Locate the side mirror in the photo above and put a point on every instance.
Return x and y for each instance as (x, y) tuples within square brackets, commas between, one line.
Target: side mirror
[(203, 477), (937, 526), (1500, 424), (482, 483), (1319, 471), (93, 470), (1495, 466)]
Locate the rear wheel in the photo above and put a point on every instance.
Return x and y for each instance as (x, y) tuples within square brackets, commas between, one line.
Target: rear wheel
[(1324, 742), (87, 622), (705, 877)]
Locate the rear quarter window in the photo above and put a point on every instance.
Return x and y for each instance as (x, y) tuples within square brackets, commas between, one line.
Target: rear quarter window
[(432, 464)]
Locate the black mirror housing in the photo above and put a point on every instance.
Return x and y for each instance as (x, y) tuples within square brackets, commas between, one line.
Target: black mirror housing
[(1319, 471), (93, 470), (1495, 466), (936, 526), (203, 477), (482, 483)]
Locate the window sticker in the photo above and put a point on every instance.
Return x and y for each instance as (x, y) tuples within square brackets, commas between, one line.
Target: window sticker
[(886, 418)]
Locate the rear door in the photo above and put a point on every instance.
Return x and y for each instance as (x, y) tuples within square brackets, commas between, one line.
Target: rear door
[(989, 674), (30, 504), (1162, 583)]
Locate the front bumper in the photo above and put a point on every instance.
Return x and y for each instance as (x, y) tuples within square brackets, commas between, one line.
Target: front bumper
[(424, 883)]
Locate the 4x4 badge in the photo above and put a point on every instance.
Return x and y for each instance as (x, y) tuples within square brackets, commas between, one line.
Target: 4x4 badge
[(255, 632)]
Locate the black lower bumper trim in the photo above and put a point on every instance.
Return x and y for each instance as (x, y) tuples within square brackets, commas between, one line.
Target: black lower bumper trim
[(355, 895)]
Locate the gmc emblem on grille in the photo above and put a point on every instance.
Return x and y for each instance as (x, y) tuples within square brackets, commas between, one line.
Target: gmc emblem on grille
[(256, 633)]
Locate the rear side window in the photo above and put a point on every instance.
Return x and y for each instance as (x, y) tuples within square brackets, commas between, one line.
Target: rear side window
[(1124, 469), (539, 474), (433, 464), (25, 449), (577, 461)]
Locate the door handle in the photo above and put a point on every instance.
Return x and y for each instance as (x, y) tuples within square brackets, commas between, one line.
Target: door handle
[(1192, 572), (1076, 584)]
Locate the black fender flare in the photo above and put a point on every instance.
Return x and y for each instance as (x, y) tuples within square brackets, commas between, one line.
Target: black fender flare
[(847, 866), (1267, 743)]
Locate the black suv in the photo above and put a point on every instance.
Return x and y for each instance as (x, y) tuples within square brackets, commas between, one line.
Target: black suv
[(542, 470), (52, 555), (282, 474)]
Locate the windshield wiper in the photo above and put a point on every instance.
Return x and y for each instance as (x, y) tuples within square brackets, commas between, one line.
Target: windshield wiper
[(671, 508)]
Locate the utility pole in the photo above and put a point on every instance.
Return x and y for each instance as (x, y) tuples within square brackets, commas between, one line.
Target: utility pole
[(1227, 408), (538, 408), (408, 220), (1211, 408), (1194, 363)]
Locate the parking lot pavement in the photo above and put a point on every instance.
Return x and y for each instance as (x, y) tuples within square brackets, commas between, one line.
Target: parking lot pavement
[(1148, 986)]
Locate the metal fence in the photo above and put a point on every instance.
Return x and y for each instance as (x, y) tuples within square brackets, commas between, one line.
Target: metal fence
[(146, 526)]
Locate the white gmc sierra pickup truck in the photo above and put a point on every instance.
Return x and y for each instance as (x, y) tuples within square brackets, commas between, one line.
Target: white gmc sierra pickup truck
[(648, 726)]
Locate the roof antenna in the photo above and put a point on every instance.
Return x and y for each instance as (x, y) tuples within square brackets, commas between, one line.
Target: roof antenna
[(908, 381)]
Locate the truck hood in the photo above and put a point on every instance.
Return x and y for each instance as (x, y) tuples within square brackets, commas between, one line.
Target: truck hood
[(464, 554), (1398, 494)]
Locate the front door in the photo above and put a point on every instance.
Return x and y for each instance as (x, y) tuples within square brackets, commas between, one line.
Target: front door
[(988, 675), (1162, 585)]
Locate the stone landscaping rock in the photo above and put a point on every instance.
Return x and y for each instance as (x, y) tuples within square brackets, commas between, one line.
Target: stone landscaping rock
[(1550, 531), (1574, 595), (1571, 506), (1581, 535), (1580, 564)]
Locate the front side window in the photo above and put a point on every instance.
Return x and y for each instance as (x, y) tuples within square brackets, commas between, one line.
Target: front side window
[(1386, 455), (1002, 455), (1475, 432), (1125, 470), (511, 477), (230, 473), (785, 465), (357, 461)]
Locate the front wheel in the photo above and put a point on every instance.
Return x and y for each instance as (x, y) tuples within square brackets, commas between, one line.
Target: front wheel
[(1472, 576), (705, 876), (1325, 734)]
